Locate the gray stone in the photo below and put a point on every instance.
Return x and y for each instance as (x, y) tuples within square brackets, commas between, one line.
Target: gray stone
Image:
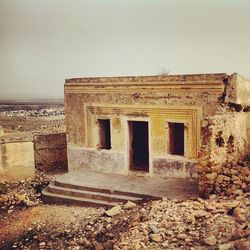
[(154, 229)]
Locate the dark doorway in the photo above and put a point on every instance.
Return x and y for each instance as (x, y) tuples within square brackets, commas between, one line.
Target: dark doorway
[(139, 151), (104, 134), (176, 138)]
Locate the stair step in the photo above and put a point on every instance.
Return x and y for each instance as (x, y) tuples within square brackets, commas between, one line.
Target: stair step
[(103, 190), (91, 194), (62, 199)]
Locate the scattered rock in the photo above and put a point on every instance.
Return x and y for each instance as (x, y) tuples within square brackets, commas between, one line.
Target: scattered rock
[(114, 211), (211, 176), (156, 237), (98, 246), (226, 246), (238, 214), (154, 229), (210, 241), (42, 244), (181, 236), (129, 205), (242, 244)]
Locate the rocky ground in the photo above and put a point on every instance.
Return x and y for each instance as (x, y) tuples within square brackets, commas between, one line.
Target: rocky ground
[(19, 195), (220, 222)]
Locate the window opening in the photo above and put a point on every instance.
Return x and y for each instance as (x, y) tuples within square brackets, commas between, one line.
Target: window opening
[(104, 134), (176, 138)]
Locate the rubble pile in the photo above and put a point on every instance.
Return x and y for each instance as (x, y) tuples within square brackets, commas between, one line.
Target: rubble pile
[(22, 194), (217, 223)]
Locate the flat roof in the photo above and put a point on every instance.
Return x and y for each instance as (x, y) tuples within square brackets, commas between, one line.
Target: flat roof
[(153, 78)]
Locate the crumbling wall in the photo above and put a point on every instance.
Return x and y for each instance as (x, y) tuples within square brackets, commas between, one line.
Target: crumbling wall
[(238, 90), (50, 152), (224, 143)]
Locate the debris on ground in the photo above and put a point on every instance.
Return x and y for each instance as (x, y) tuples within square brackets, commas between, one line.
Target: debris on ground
[(216, 223), (22, 194), (220, 222)]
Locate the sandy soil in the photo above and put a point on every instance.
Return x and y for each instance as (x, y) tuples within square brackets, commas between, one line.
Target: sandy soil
[(15, 225)]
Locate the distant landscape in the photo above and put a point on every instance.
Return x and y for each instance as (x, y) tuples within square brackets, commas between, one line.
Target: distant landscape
[(31, 115), (11, 104)]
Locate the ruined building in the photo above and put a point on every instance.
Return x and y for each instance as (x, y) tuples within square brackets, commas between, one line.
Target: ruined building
[(181, 126)]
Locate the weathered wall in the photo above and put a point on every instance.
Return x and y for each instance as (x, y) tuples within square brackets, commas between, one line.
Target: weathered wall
[(131, 98), (16, 160), (224, 143), (205, 91), (157, 99), (50, 151), (175, 167), (89, 159), (238, 90)]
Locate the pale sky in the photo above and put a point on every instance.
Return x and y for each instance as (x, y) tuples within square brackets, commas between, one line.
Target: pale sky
[(42, 42)]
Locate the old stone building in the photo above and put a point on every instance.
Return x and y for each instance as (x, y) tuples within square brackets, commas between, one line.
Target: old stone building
[(172, 126)]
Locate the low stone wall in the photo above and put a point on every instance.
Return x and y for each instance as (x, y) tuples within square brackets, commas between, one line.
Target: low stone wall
[(16, 159), (224, 143), (50, 152), (233, 179)]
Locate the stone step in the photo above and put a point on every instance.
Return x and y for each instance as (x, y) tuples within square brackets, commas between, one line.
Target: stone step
[(110, 197), (72, 200), (106, 190)]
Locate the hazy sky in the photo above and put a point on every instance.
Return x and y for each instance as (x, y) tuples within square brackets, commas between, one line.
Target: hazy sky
[(42, 42)]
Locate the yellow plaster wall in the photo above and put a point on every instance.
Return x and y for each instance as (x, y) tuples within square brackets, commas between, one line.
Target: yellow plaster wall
[(158, 117), (189, 90), (17, 161), (118, 134), (159, 143)]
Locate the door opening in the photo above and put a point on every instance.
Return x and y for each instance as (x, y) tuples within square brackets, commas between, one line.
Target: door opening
[(139, 146)]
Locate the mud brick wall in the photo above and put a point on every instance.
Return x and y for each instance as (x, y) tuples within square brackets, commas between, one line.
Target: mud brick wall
[(50, 152), (224, 144)]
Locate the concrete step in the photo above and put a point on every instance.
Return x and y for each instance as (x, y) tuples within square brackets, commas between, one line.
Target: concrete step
[(103, 190), (110, 197), (72, 200)]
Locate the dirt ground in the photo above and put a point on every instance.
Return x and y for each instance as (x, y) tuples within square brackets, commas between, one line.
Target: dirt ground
[(27, 223), (21, 224)]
